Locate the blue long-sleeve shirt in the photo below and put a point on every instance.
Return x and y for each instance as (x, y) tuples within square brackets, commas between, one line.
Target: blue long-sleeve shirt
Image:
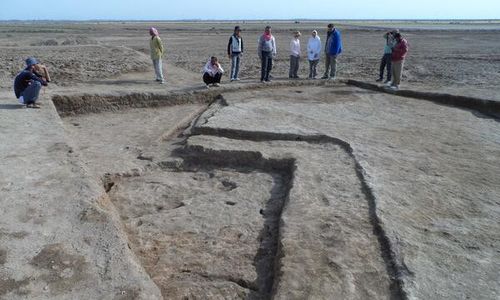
[(23, 80)]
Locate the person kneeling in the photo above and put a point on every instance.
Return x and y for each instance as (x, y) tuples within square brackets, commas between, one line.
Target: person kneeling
[(28, 84), (212, 72)]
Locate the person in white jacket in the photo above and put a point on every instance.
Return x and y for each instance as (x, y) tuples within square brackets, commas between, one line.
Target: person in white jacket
[(212, 72), (294, 55), (313, 53)]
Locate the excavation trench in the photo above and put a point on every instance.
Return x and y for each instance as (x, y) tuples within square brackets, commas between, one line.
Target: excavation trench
[(395, 267), (253, 266), (233, 251)]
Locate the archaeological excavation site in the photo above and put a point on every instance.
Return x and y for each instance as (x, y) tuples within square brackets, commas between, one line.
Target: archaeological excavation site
[(119, 188)]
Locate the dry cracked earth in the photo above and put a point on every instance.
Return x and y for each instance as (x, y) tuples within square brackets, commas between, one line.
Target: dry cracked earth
[(293, 190)]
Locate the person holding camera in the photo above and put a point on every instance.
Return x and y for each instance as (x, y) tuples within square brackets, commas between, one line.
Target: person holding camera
[(212, 72), (28, 84), (386, 62)]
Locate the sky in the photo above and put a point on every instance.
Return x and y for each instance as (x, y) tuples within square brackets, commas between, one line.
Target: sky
[(240, 9)]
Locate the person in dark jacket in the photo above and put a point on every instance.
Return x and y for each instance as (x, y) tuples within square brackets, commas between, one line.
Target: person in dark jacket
[(333, 49), (28, 84), (234, 52)]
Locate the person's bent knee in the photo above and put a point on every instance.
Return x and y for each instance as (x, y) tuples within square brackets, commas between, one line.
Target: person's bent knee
[(36, 85)]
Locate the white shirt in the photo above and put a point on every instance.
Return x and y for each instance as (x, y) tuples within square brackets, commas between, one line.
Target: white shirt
[(212, 70), (314, 48), (295, 47)]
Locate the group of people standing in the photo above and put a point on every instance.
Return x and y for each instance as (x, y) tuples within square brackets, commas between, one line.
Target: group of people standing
[(396, 48), (333, 48), (267, 51), (28, 83)]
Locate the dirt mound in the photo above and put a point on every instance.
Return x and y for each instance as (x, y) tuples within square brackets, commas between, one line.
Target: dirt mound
[(73, 64), (79, 40)]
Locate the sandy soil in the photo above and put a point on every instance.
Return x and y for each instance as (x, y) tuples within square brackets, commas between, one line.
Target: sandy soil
[(296, 190)]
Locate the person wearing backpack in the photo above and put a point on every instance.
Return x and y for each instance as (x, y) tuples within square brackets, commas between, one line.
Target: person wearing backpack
[(234, 52)]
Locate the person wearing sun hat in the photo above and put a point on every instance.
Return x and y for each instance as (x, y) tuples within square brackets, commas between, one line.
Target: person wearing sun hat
[(28, 83)]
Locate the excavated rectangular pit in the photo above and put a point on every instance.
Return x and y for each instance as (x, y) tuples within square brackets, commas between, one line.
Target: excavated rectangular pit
[(210, 224), (210, 233), (208, 228), (203, 231)]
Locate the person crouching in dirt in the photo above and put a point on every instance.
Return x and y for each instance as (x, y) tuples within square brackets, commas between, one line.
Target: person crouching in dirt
[(28, 84), (212, 72), (156, 54), (386, 61), (399, 53)]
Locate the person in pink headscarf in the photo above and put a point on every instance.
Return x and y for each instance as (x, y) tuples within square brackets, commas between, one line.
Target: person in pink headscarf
[(157, 54), (266, 50)]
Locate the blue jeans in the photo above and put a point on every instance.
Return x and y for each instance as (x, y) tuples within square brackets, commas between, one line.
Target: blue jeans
[(157, 63), (31, 93), (235, 65)]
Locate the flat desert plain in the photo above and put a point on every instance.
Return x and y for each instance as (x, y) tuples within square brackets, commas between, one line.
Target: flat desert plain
[(122, 188)]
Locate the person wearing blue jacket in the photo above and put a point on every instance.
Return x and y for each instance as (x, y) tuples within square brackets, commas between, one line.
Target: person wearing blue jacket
[(333, 50), (28, 84)]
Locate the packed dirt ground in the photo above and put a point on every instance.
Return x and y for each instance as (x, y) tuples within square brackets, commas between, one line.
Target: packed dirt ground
[(465, 60), (127, 189)]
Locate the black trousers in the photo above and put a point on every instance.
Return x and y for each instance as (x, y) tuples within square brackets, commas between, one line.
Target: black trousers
[(386, 63), (211, 79), (267, 65)]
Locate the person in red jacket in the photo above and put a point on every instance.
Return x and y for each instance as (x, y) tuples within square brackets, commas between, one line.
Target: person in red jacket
[(398, 58)]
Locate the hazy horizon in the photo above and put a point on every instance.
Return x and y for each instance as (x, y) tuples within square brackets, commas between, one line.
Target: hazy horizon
[(156, 10), (244, 20)]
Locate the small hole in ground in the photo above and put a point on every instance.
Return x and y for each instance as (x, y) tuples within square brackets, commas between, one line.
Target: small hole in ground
[(229, 185)]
